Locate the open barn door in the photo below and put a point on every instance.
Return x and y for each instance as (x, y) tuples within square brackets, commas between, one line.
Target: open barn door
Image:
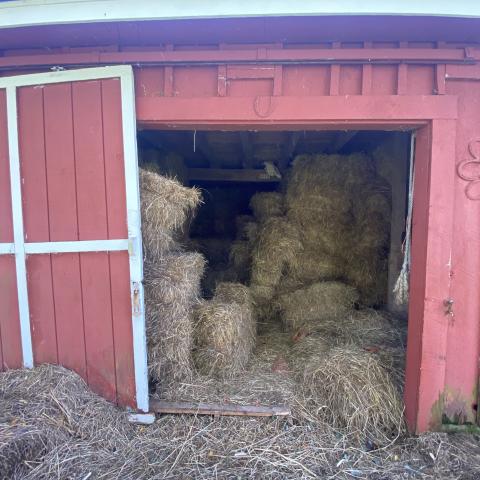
[(70, 253)]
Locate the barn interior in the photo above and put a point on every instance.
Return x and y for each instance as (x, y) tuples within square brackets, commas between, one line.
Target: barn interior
[(291, 258)]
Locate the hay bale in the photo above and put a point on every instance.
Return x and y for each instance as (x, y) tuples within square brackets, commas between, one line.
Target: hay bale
[(233, 292), (313, 265), (275, 251), (267, 204), (166, 206), (225, 337), (172, 288), (315, 303), (354, 391)]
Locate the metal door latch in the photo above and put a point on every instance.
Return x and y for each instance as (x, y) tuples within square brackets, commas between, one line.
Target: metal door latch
[(448, 304), (136, 300)]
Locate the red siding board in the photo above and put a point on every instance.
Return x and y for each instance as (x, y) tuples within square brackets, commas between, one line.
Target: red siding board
[(9, 320), (122, 328), (67, 287), (63, 222), (32, 164), (117, 228), (97, 313), (60, 160), (6, 227), (113, 156), (42, 309), (36, 225), (89, 164)]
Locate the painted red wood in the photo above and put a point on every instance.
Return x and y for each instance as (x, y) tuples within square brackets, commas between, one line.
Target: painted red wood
[(10, 343), (71, 150), (36, 224), (117, 228), (63, 225), (92, 222), (295, 110), (290, 55), (6, 226), (463, 345), (431, 275), (417, 277)]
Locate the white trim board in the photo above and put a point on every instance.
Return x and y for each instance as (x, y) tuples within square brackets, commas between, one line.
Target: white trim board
[(22, 13), (7, 248), (76, 247), (17, 215)]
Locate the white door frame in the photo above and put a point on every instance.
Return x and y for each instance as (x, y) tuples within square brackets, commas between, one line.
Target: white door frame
[(132, 244)]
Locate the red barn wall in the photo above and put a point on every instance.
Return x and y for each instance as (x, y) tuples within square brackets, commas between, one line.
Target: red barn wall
[(173, 83)]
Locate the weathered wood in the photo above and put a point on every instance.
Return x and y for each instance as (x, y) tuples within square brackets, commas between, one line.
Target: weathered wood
[(160, 406), (230, 175)]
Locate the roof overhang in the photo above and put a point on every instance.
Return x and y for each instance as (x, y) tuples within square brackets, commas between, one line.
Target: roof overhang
[(21, 13)]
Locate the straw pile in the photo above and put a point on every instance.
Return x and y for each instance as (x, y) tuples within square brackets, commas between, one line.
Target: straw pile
[(354, 391), (172, 276), (225, 331), (86, 437)]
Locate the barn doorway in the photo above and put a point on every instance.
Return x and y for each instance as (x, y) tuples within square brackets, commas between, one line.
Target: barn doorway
[(312, 225)]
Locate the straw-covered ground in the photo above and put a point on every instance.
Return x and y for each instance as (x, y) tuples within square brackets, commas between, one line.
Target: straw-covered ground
[(53, 427)]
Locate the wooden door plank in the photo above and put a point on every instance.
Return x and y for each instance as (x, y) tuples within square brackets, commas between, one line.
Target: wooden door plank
[(9, 319), (92, 222), (36, 225), (60, 160), (6, 230), (117, 228)]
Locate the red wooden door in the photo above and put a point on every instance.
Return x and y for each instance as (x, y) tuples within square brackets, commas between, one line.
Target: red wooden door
[(75, 234)]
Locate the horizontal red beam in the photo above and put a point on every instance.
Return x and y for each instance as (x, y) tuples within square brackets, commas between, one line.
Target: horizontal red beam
[(338, 109), (462, 72), (265, 56)]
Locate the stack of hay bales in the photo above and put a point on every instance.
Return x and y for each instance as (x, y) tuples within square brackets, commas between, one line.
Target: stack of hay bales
[(225, 331), (172, 276), (332, 224)]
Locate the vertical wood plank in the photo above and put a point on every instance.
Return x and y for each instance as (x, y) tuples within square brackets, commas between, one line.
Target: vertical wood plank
[(92, 222), (9, 319), (402, 79), (6, 226), (335, 74), (67, 287), (367, 74), (97, 311), (118, 261), (222, 80), (63, 223), (35, 214), (278, 80), (440, 80), (114, 161), (42, 309), (122, 325)]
